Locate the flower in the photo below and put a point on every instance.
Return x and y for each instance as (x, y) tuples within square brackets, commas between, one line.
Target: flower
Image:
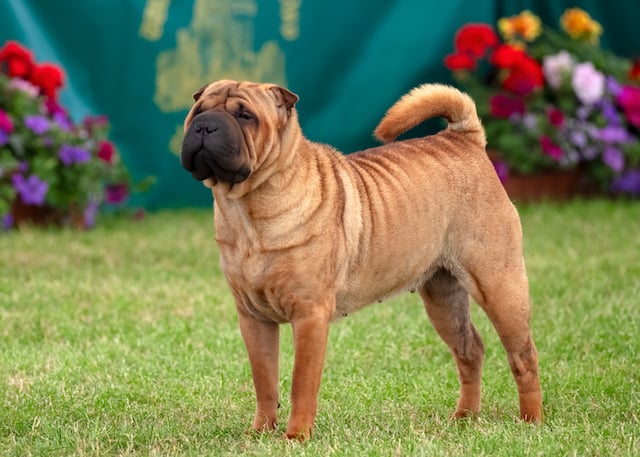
[(48, 77), (5, 122), (37, 124), (73, 154), (554, 100), (629, 100), (579, 25), (550, 148), (523, 74), (475, 39), (32, 190), (116, 193), (505, 106), (556, 67), (525, 26), (106, 151), (46, 159), (17, 59), (634, 73), (588, 83)]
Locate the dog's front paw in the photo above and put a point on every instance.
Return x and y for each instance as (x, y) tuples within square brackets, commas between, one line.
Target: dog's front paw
[(300, 434), (264, 423)]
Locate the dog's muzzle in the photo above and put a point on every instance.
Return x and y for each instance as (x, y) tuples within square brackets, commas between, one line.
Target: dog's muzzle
[(213, 146)]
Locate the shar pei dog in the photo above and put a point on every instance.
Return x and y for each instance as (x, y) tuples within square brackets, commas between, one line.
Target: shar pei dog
[(308, 235)]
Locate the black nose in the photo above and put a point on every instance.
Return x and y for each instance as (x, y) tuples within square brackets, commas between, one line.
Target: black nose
[(204, 127)]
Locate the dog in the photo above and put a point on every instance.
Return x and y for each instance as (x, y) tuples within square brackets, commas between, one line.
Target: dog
[(308, 235)]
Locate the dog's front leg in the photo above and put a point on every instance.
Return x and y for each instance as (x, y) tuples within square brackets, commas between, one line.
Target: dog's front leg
[(262, 342), (310, 343)]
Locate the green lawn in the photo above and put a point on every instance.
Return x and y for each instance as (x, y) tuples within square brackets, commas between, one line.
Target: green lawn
[(124, 341)]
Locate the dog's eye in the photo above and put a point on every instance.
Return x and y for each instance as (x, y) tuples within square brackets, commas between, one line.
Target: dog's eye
[(244, 114)]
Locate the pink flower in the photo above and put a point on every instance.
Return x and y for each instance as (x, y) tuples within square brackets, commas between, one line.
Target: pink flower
[(555, 116), (504, 106), (588, 83), (106, 151), (629, 100), (5, 122), (550, 148), (116, 193)]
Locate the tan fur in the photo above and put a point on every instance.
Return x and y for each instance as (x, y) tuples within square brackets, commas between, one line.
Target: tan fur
[(313, 235)]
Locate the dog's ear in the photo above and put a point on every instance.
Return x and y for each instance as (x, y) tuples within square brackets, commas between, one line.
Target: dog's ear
[(198, 93), (284, 97)]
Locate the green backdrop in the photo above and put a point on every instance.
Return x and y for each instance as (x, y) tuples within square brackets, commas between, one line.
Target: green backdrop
[(138, 61)]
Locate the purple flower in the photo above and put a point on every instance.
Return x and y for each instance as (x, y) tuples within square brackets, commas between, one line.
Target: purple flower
[(613, 134), (73, 154), (613, 86), (502, 169), (90, 213), (63, 121), (32, 190), (614, 158), (578, 138), (37, 124), (4, 138), (628, 182), (7, 222), (610, 112), (587, 83)]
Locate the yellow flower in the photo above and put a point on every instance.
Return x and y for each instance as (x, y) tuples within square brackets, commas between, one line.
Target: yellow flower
[(579, 25), (525, 26)]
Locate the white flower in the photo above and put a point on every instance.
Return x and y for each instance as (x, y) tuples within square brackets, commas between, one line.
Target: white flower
[(588, 83), (556, 67)]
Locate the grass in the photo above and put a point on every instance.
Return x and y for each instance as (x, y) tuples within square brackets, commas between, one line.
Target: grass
[(124, 341)]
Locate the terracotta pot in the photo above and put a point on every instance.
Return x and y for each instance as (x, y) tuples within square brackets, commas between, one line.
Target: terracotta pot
[(552, 185), (45, 215)]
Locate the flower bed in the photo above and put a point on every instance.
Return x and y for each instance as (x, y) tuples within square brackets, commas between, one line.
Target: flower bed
[(52, 170), (553, 100)]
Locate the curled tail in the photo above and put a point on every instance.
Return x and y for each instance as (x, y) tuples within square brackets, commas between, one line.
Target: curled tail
[(427, 101)]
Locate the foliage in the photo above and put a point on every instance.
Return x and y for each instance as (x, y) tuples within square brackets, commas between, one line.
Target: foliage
[(553, 99), (46, 160)]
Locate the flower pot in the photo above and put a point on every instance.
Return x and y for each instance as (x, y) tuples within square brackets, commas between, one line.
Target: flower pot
[(551, 185), (24, 214)]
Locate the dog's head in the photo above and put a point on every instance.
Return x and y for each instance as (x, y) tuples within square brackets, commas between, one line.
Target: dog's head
[(232, 127)]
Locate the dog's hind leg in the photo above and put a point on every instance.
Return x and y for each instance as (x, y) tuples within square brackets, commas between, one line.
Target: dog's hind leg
[(447, 304), (504, 296)]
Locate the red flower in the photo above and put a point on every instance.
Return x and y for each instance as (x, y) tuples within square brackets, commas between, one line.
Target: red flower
[(106, 151), (634, 73), (505, 106), (18, 60), (629, 100), (459, 62), (524, 74), (550, 148), (475, 39), (48, 78), (555, 116)]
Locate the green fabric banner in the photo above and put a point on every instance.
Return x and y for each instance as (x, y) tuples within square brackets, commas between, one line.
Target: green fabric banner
[(139, 61)]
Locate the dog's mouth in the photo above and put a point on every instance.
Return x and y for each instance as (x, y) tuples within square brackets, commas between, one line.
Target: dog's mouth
[(213, 147), (203, 165)]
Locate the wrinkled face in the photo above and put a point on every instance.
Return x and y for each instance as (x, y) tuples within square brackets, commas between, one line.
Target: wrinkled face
[(230, 126)]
